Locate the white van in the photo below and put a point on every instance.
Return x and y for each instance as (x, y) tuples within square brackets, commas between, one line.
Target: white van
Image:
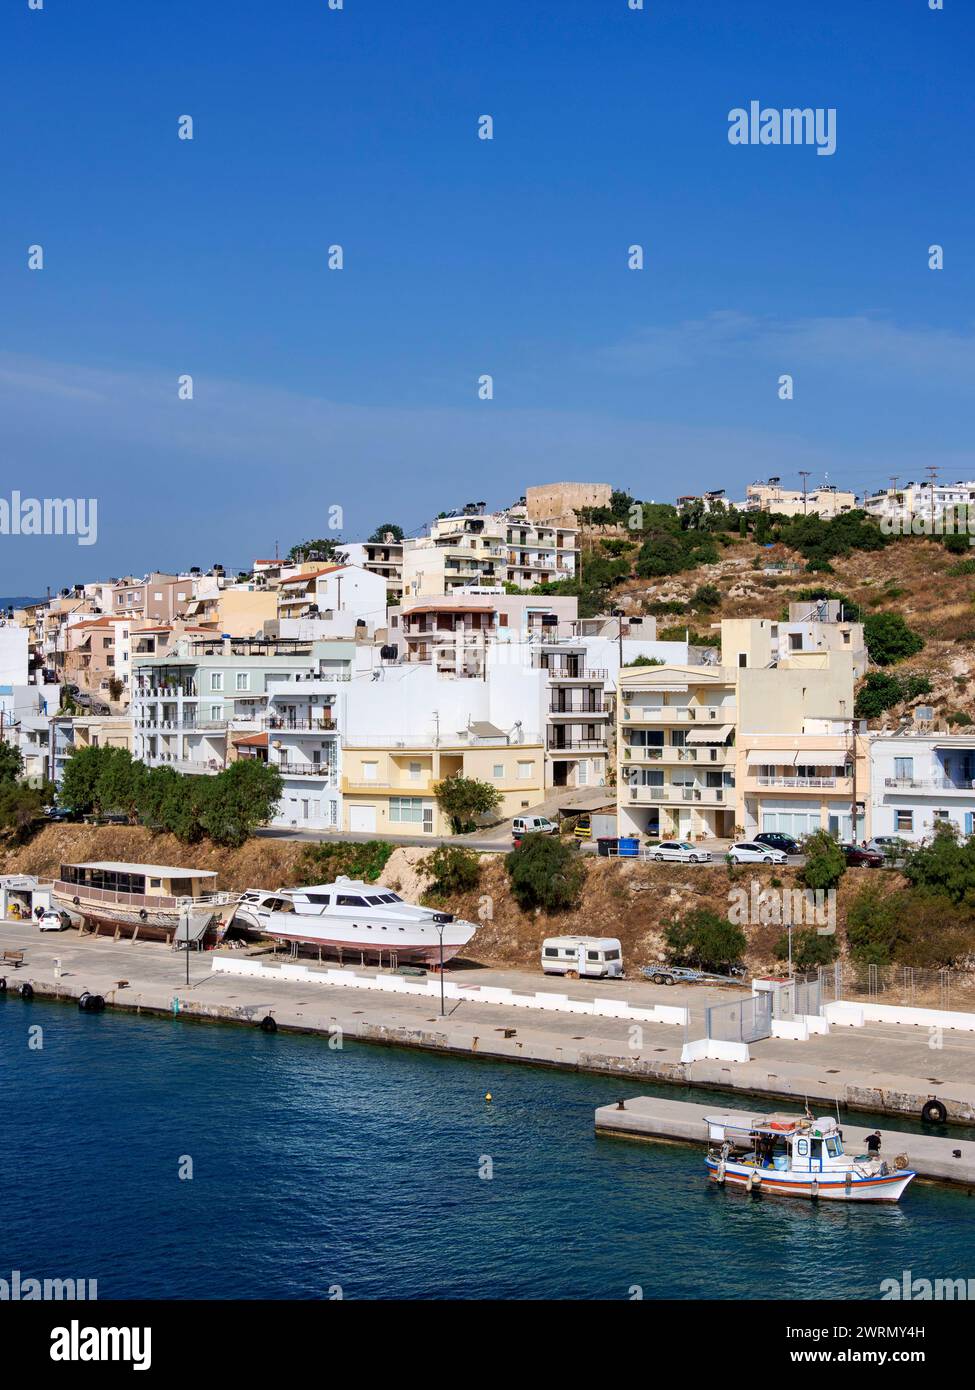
[(595, 957), (533, 825)]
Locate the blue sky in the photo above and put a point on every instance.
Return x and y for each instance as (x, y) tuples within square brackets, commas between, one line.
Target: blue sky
[(358, 388)]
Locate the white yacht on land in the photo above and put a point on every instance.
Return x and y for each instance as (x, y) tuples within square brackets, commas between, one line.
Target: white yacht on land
[(799, 1157), (363, 919)]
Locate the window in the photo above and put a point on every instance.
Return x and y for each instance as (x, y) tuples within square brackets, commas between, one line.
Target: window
[(406, 810), (903, 820), (243, 680), (525, 771), (678, 738), (498, 770), (157, 598), (416, 771), (941, 816), (742, 658), (551, 950), (904, 769), (216, 680), (369, 772), (345, 900), (216, 711)]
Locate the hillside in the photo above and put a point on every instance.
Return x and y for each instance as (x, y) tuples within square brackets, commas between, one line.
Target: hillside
[(915, 577)]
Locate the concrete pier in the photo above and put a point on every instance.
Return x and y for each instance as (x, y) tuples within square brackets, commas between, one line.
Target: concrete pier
[(933, 1157), (882, 1068)]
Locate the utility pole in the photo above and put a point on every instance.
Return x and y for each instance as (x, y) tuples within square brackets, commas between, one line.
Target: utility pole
[(853, 804), (932, 469), (804, 474)]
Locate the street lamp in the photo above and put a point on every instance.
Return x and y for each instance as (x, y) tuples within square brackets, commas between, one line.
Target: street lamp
[(440, 926)]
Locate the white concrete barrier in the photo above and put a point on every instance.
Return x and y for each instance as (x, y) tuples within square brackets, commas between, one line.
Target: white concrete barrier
[(794, 1028), (842, 1012), (714, 1049), (919, 1018), (430, 988)]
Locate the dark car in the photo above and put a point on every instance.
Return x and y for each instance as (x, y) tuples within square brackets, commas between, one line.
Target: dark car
[(777, 840), (862, 858)]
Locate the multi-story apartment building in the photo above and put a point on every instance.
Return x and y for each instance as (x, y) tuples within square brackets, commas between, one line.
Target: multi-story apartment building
[(755, 741), (826, 501), (538, 552), (919, 781), (455, 632), (186, 704), (928, 503), (302, 738), (385, 558), (157, 597), (462, 551), (334, 601)]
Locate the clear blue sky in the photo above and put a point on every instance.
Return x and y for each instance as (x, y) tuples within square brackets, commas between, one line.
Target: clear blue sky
[(358, 388)]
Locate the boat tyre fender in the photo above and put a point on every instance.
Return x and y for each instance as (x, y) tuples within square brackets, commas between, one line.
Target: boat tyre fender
[(27, 992), (90, 1003), (934, 1112), (76, 901), (268, 1024), (3, 984), (143, 915)]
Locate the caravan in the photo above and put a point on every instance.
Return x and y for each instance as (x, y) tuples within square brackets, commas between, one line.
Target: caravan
[(580, 957)]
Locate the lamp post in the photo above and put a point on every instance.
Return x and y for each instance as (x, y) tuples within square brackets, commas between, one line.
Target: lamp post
[(440, 926)]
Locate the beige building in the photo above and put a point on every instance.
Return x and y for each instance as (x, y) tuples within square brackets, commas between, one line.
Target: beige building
[(465, 551), (539, 552), (559, 502), (158, 597), (103, 731), (759, 741), (387, 785), (826, 501)]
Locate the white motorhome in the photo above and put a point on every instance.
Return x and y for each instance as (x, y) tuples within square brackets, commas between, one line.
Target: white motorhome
[(597, 957)]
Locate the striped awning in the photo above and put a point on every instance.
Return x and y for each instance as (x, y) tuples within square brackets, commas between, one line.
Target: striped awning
[(718, 733)]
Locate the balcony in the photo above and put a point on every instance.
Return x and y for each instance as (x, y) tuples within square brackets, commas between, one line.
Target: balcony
[(299, 725), (723, 755), (579, 711), (802, 784), (320, 771), (928, 784), (717, 796), (576, 745), (678, 714)]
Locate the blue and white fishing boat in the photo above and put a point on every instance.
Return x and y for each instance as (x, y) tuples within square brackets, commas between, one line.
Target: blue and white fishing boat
[(799, 1157)]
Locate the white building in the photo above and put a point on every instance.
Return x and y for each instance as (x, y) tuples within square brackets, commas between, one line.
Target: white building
[(918, 781)]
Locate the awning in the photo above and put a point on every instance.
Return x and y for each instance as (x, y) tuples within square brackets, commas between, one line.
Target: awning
[(824, 757), (717, 734), (772, 757)]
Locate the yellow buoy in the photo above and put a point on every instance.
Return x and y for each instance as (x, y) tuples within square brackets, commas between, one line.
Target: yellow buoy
[(488, 1097)]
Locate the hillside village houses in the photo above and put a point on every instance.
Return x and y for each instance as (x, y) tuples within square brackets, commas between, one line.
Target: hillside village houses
[(367, 679)]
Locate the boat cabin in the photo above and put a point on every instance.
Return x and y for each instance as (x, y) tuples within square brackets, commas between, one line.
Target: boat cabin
[(116, 880), (783, 1141)]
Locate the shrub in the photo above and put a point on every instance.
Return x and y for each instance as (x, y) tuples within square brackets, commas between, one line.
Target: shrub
[(809, 948), (463, 799), (322, 863), (705, 940), (889, 639), (882, 689), (239, 799), (825, 862), (453, 870), (11, 762), (545, 872)]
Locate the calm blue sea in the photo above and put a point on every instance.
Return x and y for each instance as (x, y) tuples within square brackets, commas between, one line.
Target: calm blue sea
[(360, 1168)]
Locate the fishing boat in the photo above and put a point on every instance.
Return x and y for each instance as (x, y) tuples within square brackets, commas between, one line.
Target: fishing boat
[(799, 1157), (150, 901), (364, 920)]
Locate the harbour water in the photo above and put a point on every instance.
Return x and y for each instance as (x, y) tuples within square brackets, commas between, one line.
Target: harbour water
[(360, 1169)]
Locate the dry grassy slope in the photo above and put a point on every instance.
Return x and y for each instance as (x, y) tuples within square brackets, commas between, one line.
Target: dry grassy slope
[(627, 899), (910, 576)]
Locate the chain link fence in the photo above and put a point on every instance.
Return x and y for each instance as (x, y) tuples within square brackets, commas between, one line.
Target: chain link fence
[(906, 985)]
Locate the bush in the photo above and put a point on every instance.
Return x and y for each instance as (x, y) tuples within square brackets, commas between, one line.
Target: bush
[(11, 762), (881, 690), (463, 799), (825, 862), (706, 596), (889, 639), (545, 872), (322, 863), (705, 940), (454, 870), (871, 925), (809, 949), (20, 808), (945, 867), (238, 800)]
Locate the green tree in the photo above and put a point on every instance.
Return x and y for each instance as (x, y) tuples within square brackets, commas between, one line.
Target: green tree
[(809, 948), (547, 873), (11, 762), (889, 639), (239, 799), (872, 925), (327, 551), (183, 807), (324, 862), (465, 798), (79, 785), (381, 532), (454, 869), (156, 784), (118, 782), (21, 807), (945, 867), (825, 862), (704, 939)]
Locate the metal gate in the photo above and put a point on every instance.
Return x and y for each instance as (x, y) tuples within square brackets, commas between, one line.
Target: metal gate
[(799, 997), (740, 1020)]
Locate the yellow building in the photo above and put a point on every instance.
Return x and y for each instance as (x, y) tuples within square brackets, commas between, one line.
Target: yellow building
[(763, 741), (387, 785)]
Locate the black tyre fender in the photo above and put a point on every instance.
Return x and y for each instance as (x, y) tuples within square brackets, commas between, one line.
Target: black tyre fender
[(934, 1112), (143, 915), (76, 901), (27, 992), (268, 1024), (3, 984)]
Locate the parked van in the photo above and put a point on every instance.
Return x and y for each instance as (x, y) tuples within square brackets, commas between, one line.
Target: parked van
[(533, 825), (595, 957)]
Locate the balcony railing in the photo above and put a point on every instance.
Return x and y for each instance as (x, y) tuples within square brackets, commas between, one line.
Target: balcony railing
[(678, 714), (585, 707), (680, 794), (591, 745), (801, 783), (320, 770), (934, 784), (298, 725)]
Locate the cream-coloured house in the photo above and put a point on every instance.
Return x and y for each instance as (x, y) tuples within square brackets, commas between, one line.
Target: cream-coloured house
[(387, 784)]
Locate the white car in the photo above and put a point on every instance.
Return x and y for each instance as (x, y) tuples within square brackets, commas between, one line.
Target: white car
[(50, 920), (680, 852), (747, 852)]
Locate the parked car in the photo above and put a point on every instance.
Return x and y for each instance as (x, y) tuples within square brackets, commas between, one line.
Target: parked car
[(890, 846), (750, 852), (52, 920), (858, 857), (533, 825), (680, 852), (777, 840), (58, 813)]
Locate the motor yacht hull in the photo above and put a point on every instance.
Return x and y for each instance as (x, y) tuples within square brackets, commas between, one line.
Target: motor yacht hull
[(867, 1187)]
